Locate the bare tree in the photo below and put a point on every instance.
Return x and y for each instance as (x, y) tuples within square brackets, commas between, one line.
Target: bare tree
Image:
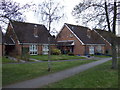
[(10, 10), (94, 11), (50, 12), (104, 14)]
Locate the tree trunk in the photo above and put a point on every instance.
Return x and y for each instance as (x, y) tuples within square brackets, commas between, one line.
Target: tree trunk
[(49, 55), (118, 50), (107, 16), (114, 54)]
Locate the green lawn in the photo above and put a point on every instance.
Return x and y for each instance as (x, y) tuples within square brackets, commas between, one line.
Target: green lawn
[(102, 56), (6, 60), (98, 77), (56, 57), (12, 73)]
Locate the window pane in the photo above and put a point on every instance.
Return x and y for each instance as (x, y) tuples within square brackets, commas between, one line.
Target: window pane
[(33, 49)]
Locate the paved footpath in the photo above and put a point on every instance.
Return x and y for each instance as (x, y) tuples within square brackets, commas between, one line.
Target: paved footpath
[(51, 78), (40, 61)]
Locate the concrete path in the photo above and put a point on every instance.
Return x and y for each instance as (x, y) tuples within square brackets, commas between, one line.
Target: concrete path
[(37, 61), (51, 78), (12, 58)]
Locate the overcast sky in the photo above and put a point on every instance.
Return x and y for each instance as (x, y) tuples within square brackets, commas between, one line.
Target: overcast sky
[(68, 7)]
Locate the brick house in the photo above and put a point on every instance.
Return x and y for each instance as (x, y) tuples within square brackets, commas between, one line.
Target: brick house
[(107, 39), (7, 42), (80, 40), (22, 38)]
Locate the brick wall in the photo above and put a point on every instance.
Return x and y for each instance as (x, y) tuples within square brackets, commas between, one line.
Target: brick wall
[(18, 47), (107, 47), (39, 47), (65, 34), (95, 48), (11, 33)]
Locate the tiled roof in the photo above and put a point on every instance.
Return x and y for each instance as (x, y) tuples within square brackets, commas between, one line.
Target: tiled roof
[(7, 40), (82, 33), (25, 33), (105, 34)]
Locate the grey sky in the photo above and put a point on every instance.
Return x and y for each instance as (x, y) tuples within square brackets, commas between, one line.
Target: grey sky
[(68, 7)]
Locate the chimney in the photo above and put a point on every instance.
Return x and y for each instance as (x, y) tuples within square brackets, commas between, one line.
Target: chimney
[(35, 31), (89, 33)]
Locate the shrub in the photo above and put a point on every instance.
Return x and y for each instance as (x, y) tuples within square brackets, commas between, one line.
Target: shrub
[(55, 51)]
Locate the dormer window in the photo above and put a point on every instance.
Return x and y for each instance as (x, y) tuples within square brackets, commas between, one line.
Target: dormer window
[(72, 27), (35, 31), (88, 33)]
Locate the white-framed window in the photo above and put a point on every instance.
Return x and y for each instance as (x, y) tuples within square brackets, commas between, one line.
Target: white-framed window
[(45, 49), (99, 49), (33, 50), (91, 50)]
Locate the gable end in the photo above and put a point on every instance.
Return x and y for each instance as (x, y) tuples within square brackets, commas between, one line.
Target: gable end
[(102, 37), (74, 35), (14, 33)]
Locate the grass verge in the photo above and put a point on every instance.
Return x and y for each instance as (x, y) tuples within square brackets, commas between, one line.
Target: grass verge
[(100, 76), (102, 56), (6, 60), (56, 57), (12, 73)]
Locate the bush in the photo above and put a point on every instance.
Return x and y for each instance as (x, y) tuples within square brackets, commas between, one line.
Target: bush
[(55, 51)]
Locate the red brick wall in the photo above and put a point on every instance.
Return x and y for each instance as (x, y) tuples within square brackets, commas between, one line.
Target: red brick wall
[(18, 47), (53, 46), (39, 47), (108, 47), (65, 35), (11, 33), (95, 48)]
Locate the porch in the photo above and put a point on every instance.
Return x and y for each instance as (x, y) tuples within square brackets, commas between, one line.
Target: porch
[(66, 46)]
